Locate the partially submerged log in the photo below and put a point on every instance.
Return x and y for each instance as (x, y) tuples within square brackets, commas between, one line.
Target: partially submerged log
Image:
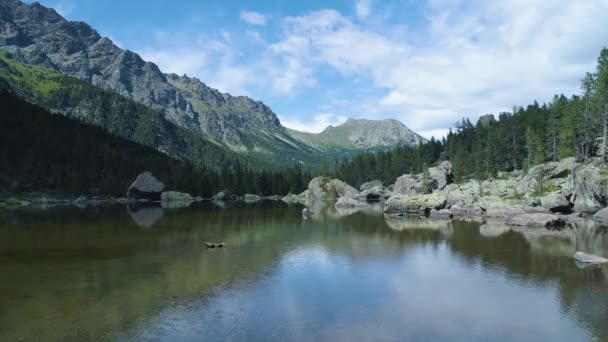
[(214, 245)]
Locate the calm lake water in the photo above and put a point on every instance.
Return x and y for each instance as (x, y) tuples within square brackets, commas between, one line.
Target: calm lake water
[(118, 273)]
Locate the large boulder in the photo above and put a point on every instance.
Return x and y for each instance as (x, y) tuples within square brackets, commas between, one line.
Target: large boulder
[(441, 175), (464, 195), (601, 217), (338, 188), (407, 185), (590, 186), (146, 186), (370, 185), (415, 203), (555, 202), (536, 220), (326, 189), (349, 202)]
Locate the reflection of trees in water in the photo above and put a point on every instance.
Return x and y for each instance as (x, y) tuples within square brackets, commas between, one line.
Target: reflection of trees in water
[(130, 273), (546, 258)]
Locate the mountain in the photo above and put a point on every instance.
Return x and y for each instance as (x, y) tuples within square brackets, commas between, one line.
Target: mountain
[(360, 134), (39, 36)]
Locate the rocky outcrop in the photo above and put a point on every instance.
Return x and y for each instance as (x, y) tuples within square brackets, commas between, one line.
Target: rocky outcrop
[(556, 202), (441, 175), (590, 186), (145, 186), (370, 185), (376, 193), (536, 220), (486, 120), (325, 189), (168, 196), (437, 179), (349, 202), (406, 185), (415, 203)]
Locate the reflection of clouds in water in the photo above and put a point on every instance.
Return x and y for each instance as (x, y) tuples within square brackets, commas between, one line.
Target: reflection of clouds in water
[(145, 216), (431, 296)]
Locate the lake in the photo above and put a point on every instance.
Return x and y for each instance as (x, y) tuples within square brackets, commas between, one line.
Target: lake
[(124, 273)]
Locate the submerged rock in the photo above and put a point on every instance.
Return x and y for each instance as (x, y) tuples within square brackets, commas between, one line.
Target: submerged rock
[(536, 220), (251, 198), (589, 258), (146, 186)]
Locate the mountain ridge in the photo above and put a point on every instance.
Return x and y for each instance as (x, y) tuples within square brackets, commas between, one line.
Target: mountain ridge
[(361, 134), (37, 35)]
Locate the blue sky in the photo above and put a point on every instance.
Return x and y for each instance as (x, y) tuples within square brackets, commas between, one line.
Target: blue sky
[(425, 63)]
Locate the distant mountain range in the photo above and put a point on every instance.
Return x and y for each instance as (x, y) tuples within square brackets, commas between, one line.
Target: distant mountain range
[(38, 36)]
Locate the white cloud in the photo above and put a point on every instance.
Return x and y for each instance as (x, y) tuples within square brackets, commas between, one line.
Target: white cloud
[(363, 8), (466, 58), (253, 18), (319, 122), (477, 56)]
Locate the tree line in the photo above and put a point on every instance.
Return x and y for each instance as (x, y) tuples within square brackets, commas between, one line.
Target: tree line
[(45, 152)]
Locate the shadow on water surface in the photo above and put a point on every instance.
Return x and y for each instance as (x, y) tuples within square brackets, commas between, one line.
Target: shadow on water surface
[(143, 272)]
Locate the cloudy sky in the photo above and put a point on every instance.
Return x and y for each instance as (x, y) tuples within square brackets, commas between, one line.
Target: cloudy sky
[(315, 63)]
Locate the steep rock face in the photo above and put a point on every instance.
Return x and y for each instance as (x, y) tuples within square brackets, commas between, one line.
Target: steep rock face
[(37, 35), (361, 134), (225, 117)]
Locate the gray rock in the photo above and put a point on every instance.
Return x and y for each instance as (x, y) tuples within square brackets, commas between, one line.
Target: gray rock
[(536, 220), (486, 120), (415, 203), (349, 202), (168, 196), (145, 186), (601, 217), (374, 194), (441, 175), (251, 198), (326, 189), (407, 185), (555, 202), (590, 187), (370, 185), (589, 258)]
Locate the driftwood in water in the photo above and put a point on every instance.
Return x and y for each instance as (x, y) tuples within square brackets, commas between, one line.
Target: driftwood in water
[(214, 245)]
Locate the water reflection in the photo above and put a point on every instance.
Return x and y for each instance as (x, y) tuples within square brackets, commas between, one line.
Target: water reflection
[(95, 274), (145, 216)]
